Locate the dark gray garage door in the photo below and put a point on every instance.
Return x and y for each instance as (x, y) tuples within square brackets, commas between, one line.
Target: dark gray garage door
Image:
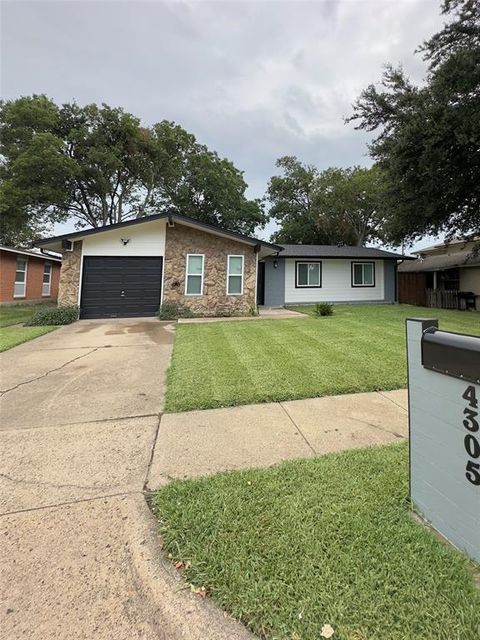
[(120, 287)]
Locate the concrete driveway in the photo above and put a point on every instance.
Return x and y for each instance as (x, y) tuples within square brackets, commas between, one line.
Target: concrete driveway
[(80, 557)]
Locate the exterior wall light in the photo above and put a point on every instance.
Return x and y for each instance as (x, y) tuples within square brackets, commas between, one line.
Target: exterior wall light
[(125, 241), (275, 264)]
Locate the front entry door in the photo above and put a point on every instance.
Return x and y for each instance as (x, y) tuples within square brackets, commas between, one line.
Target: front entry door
[(261, 283)]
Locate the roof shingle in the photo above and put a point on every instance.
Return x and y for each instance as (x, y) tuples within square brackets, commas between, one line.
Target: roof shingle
[(437, 263), (335, 251)]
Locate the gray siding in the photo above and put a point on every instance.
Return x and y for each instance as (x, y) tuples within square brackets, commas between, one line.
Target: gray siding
[(390, 280), (439, 486), (274, 283), (336, 284)]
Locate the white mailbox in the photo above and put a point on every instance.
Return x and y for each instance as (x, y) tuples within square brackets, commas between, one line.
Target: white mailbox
[(444, 426)]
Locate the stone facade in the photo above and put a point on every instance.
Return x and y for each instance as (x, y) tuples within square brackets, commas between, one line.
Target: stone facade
[(182, 240), (70, 275)]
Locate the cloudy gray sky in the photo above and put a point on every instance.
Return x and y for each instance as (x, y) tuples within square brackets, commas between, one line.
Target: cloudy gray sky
[(252, 80)]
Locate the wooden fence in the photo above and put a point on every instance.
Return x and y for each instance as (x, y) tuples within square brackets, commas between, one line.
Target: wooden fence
[(411, 288), (442, 298)]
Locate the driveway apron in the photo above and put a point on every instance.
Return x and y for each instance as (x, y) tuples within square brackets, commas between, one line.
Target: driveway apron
[(80, 410)]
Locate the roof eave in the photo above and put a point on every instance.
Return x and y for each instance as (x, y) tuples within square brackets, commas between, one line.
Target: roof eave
[(25, 252), (187, 220), (353, 257)]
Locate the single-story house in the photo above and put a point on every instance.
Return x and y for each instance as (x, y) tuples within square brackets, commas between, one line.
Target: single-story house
[(307, 274), (129, 269), (446, 275), (27, 277)]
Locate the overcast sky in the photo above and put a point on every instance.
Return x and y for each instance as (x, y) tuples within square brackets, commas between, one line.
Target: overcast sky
[(252, 80)]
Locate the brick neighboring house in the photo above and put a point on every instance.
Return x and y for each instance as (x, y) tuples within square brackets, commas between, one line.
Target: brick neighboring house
[(129, 269), (28, 277)]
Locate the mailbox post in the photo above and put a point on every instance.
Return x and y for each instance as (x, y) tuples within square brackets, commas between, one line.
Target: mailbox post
[(444, 429)]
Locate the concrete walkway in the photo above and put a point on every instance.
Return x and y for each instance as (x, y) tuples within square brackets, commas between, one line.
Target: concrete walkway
[(80, 553), (202, 442), (264, 313)]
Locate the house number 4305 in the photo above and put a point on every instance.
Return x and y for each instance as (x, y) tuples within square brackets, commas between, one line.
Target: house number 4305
[(472, 445)]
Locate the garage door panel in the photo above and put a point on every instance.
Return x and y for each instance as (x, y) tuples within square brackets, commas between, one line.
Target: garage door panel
[(102, 310), (147, 280), (120, 287), (132, 311), (100, 280)]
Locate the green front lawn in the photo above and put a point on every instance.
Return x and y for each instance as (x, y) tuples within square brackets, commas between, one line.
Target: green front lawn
[(389, 315), (12, 331), (328, 540), (359, 348), (13, 336), (19, 313)]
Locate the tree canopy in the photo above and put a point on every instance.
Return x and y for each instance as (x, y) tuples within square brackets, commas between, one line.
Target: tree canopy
[(325, 207), (428, 140), (99, 165)]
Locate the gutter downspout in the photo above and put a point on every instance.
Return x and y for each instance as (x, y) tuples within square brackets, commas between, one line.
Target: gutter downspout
[(256, 251), (397, 264)]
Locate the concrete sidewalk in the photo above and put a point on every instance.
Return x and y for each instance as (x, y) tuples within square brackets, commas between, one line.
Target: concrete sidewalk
[(196, 443), (80, 556)]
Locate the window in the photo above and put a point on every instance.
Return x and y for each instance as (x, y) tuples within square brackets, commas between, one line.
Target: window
[(194, 279), (363, 274), (20, 286), (47, 279), (308, 274), (449, 279), (235, 276)]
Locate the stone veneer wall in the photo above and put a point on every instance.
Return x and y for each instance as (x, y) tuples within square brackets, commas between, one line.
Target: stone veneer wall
[(180, 241), (70, 275)]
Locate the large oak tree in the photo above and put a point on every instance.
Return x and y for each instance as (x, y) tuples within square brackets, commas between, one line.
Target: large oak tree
[(99, 165), (325, 207), (428, 136)]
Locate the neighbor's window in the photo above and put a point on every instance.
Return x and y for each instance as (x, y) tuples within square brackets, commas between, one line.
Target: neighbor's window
[(20, 286), (194, 279), (309, 274), (363, 274), (47, 279), (235, 276)]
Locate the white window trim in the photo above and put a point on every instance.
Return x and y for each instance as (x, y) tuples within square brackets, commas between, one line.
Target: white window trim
[(197, 255), (47, 295), (235, 274), (309, 286), (24, 294)]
